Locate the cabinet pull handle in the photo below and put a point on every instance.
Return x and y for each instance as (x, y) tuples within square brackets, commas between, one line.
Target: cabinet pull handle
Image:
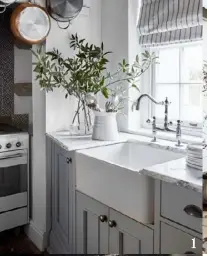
[(69, 160), (189, 253), (103, 218), (112, 223), (193, 211)]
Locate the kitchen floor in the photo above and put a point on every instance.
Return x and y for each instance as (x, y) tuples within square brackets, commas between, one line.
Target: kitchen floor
[(15, 241)]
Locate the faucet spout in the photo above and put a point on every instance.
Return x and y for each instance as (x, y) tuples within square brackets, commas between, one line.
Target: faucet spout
[(149, 97)]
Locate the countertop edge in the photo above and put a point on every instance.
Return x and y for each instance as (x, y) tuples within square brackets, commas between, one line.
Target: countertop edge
[(168, 179)]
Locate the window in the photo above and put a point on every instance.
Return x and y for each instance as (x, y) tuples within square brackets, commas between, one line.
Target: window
[(179, 77)]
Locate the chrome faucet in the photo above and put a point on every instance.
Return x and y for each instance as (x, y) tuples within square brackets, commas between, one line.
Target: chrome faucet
[(148, 96), (165, 103)]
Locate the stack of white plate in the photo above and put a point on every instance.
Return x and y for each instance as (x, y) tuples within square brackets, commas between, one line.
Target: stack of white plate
[(195, 156)]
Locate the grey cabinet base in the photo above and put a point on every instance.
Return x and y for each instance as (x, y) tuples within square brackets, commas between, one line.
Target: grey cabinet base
[(102, 230), (79, 224), (60, 199), (55, 245)]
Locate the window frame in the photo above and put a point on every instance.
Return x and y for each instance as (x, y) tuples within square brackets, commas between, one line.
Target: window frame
[(188, 127)]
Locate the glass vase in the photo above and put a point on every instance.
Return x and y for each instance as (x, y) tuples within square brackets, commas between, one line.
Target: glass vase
[(82, 123)]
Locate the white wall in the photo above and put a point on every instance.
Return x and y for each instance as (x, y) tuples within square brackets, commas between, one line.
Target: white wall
[(53, 112), (37, 227), (60, 111), (205, 40), (119, 34), (133, 49)]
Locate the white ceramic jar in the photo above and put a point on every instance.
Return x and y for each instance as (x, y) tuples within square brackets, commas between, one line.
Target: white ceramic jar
[(105, 127)]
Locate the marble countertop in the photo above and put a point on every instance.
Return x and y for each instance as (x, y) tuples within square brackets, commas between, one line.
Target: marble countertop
[(178, 173), (175, 172), (73, 143)]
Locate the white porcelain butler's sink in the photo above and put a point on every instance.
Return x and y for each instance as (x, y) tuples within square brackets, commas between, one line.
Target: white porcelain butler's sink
[(111, 175)]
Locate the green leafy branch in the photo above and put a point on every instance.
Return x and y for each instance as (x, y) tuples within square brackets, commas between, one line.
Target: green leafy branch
[(86, 71)]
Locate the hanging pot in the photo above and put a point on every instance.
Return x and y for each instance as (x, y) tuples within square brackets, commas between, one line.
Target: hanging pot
[(4, 4), (30, 23), (63, 11)]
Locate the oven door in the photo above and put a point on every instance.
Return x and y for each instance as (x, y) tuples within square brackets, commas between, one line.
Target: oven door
[(13, 180)]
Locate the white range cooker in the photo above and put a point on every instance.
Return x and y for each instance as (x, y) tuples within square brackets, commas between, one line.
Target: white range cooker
[(14, 178)]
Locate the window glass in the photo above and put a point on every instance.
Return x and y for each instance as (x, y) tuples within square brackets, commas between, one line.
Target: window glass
[(179, 77), (172, 92), (191, 105), (191, 68), (168, 69)]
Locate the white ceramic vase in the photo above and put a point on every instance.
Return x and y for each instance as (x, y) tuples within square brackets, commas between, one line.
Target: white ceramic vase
[(105, 127)]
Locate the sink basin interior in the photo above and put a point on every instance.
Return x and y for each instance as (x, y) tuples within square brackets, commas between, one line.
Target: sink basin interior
[(132, 155)]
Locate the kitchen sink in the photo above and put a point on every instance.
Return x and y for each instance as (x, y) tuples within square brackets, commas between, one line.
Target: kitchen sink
[(111, 175)]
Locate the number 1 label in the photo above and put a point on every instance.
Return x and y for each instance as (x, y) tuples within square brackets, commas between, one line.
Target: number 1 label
[(194, 246)]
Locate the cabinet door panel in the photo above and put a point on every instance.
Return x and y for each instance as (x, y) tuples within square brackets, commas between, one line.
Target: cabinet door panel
[(49, 164), (91, 233), (129, 236), (175, 241), (62, 193), (62, 198)]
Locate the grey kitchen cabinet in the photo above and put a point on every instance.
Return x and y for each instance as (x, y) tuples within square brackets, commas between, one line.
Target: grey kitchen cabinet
[(62, 196), (174, 241), (185, 210), (102, 230), (91, 226), (127, 236)]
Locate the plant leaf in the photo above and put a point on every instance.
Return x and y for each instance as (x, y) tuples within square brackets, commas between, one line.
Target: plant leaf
[(105, 92)]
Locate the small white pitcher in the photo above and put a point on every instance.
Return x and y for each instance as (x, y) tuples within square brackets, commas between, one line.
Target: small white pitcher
[(105, 127)]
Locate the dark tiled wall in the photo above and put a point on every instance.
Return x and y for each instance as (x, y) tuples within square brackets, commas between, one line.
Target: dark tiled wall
[(7, 75), (6, 68)]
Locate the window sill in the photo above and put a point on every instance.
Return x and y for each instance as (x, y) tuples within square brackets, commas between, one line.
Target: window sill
[(167, 136)]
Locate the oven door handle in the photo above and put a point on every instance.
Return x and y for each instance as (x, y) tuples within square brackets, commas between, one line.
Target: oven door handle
[(11, 156)]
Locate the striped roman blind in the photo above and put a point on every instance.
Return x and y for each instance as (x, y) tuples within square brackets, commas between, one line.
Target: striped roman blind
[(170, 21)]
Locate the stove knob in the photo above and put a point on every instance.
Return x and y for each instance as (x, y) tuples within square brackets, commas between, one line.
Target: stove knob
[(18, 144), (8, 145)]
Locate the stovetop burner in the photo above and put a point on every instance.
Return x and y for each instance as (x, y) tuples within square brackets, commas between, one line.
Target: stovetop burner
[(6, 128)]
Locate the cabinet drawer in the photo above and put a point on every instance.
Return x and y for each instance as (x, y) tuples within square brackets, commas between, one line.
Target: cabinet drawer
[(12, 219), (180, 204), (175, 241)]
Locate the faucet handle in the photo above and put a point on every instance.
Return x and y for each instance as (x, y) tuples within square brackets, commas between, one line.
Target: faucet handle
[(150, 120), (167, 102), (154, 129), (178, 134)]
